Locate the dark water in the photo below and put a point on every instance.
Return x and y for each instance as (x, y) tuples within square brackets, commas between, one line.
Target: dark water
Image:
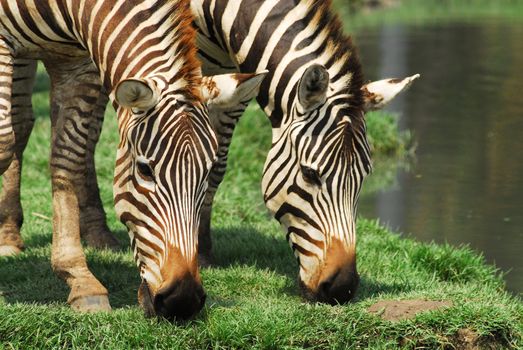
[(466, 111)]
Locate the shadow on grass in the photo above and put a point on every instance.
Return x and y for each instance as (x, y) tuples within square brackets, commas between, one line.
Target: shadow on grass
[(244, 245), (37, 240), (42, 240), (28, 278), (370, 288)]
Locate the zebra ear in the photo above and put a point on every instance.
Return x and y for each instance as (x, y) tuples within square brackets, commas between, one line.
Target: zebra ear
[(230, 90), (378, 93), (136, 93), (313, 85)]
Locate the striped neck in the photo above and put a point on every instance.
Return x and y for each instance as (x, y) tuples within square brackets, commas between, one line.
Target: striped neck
[(138, 39), (284, 37)]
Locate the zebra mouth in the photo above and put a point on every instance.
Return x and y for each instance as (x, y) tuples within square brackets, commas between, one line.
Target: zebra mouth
[(337, 290), (306, 292), (145, 299)]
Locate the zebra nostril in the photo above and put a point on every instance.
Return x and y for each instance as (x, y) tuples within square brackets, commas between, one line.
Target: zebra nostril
[(338, 288), (179, 300), (324, 288), (159, 305)]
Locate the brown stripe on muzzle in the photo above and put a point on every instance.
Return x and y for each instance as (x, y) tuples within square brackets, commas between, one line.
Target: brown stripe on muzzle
[(338, 278), (180, 296)]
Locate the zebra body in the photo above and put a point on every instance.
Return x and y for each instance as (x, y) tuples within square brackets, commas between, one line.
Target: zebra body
[(313, 98), (142, 55), (219, 56), (249, 19)]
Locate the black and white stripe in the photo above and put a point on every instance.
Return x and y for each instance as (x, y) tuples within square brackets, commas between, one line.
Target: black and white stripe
[(319, 155), (140, 53)]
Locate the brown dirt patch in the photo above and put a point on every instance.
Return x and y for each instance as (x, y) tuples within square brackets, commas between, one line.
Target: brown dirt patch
[(397, 310), (467, 339), (463, 339)]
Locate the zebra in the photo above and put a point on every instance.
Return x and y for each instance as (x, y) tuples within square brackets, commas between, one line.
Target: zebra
[(315, 99), (141, 56), (218, 57)]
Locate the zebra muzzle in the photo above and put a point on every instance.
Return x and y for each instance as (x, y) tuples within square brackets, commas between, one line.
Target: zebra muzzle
[(339, 287), (179, 299)]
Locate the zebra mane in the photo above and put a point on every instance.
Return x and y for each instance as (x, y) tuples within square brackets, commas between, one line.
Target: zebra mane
[(343, 44), (154, 37), (185, 37)]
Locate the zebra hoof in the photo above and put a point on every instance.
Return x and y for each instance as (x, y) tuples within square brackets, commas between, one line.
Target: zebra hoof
[(9, 250), (91, 303)]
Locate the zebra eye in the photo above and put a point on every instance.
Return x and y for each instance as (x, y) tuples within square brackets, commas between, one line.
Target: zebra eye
[(145, 170), (310, 175)]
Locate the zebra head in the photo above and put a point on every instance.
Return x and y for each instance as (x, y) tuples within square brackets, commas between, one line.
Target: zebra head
[(166, 151), (315, 169)]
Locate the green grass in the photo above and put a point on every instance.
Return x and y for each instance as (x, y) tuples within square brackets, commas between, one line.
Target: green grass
[(253, 298), (392, 149), (384, 136), (431, 11)]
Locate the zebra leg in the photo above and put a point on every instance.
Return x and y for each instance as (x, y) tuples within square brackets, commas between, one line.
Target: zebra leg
[(93, 225), (225, 109), (7, 137), (224, 122), (11, 214), (205, 258), (74, 88)]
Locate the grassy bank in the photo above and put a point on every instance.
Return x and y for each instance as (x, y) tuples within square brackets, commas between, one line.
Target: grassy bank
[(253, 299), (431, 11), (385, 138)]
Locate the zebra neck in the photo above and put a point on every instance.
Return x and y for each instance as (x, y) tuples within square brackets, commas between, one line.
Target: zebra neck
[(129, 39), (283, 36)]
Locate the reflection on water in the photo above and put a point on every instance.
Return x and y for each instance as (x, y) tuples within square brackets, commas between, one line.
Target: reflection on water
[(466, 112)]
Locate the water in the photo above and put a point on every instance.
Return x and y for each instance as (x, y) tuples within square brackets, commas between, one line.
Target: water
[(466, 111)]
